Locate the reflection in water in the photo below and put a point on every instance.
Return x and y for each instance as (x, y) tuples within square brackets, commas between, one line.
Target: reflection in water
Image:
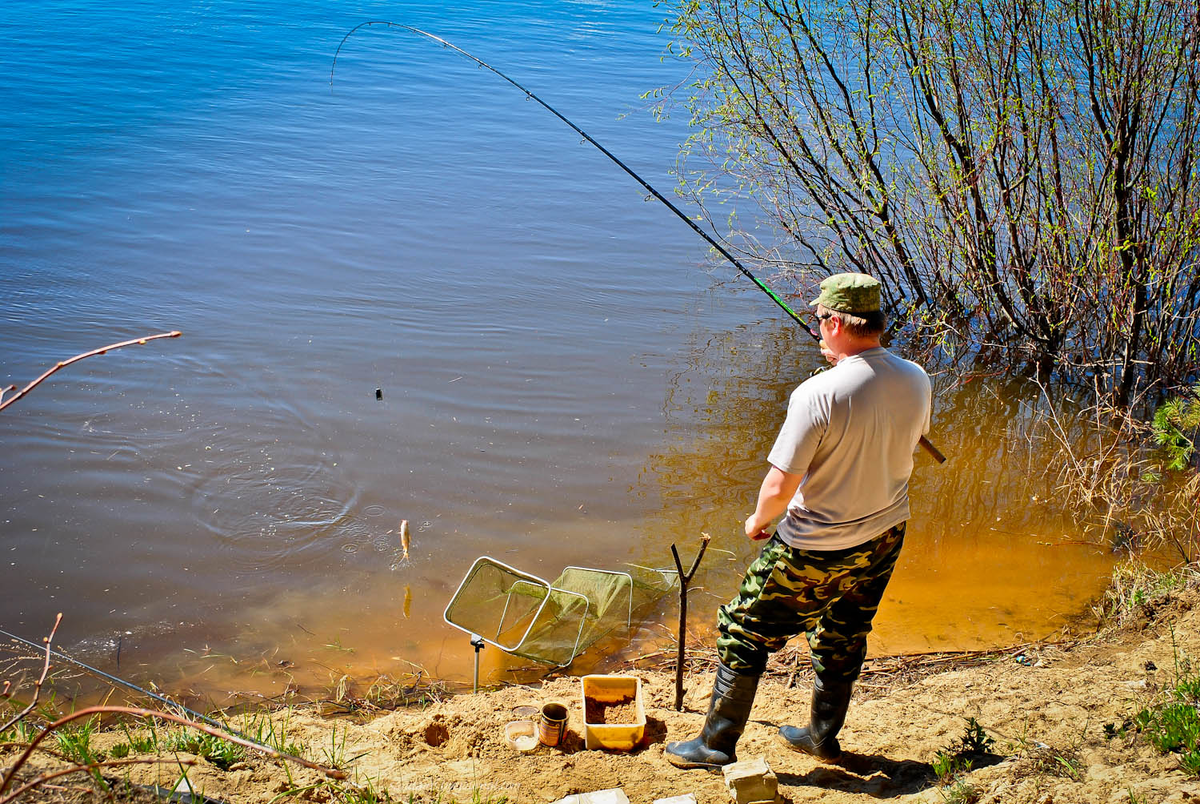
[(989, 559)]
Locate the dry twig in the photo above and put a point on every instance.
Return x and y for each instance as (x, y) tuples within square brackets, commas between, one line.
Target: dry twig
[(37, 687)]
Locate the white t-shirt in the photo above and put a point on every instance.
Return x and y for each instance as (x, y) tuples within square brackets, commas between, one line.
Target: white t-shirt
[(851, 431)]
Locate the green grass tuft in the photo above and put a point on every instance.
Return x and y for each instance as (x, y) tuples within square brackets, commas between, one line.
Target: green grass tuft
[(1173, 724), (219, 752)]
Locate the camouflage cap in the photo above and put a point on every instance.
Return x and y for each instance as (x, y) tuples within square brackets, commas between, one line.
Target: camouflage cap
[(849, 293)]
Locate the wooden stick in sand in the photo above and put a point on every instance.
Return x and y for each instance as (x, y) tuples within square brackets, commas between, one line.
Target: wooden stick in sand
[(684, 579)]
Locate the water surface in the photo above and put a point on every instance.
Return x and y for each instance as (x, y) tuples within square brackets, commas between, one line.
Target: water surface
[(564, 376)]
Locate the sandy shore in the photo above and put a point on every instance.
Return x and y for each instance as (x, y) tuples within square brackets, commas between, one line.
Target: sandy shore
[(1045, 706)]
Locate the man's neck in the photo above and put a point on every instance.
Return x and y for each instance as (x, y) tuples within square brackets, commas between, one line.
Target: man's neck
[(859, 346)]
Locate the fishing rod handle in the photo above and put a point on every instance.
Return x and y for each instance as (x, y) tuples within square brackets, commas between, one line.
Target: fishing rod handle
[(932, 450)]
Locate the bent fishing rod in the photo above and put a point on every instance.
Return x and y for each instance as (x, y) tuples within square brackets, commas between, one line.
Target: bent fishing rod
[(724, 252), (174, 705), (245, 739), (119, 681)]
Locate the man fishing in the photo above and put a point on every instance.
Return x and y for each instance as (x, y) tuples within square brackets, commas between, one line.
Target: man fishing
[(839, 470)]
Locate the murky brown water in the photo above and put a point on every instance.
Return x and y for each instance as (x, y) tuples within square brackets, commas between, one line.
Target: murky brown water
[(989, 560)]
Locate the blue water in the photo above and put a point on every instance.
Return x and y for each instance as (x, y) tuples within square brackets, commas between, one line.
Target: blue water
[(565, 377), (417, 227)]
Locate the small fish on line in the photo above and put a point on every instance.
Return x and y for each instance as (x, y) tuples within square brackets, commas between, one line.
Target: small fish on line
[(404, 539)]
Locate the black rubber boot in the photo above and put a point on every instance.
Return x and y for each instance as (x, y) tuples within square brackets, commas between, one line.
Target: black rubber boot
[(830, 700), (728, 711)]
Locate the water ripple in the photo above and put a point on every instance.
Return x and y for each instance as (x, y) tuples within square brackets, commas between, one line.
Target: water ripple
[(270, 510)]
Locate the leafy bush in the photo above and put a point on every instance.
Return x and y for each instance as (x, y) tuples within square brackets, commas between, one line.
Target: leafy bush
[(1176, 425)]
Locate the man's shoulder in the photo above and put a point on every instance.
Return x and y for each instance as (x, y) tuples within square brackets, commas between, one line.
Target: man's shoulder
[(884, 355), (817, 383), (873, 369)]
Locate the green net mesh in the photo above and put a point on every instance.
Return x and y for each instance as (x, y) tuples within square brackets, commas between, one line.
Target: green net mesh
[(552, 621)]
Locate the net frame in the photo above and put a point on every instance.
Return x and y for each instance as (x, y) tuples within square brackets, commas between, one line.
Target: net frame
[(467, 609)]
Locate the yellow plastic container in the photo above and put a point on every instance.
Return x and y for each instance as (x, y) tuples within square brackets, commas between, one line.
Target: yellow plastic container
[(605, 690)]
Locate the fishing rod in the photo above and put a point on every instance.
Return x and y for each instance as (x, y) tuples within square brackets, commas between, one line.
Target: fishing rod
[(229, 733), (127, 684), (724, 252)]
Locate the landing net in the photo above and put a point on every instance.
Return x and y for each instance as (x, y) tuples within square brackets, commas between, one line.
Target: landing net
[(553, 621)]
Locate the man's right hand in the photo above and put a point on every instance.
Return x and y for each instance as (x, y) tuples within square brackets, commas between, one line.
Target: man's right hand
[(755, 531)]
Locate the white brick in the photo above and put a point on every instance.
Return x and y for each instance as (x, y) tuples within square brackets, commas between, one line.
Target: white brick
[(751, 781), (613, 795)]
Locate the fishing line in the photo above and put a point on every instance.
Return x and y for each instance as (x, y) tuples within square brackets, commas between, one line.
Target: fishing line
[(650, 189), (724, 252)]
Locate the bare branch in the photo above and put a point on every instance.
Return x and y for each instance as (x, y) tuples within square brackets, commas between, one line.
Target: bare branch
[(103, 350), (37, 687)]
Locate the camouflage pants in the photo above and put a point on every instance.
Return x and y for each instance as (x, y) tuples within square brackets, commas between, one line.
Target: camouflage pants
[(831, 596)]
